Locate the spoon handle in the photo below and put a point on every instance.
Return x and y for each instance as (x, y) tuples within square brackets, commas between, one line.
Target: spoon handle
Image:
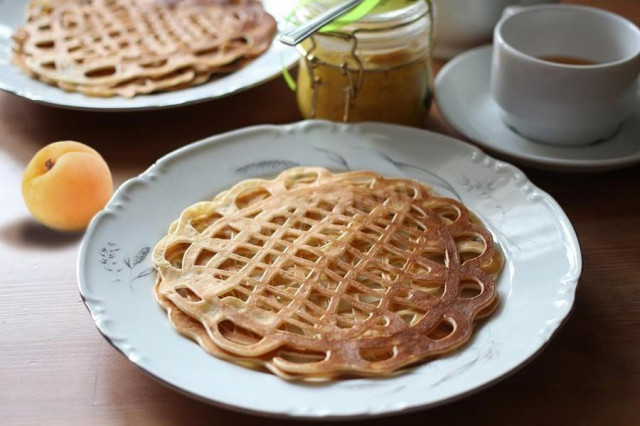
[(298, 34)]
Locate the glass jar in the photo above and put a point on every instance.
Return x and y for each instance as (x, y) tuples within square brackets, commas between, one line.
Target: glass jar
[(376, 69)]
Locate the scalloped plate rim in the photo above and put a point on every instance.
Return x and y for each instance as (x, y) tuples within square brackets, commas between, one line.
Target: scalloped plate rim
[(569, 280)]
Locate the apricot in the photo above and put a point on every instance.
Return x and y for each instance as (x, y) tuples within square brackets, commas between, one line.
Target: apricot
[(65, 185)]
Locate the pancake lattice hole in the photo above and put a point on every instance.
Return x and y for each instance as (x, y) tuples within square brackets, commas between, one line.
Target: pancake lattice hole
[(292, 328), (377, 354), (251, 196), (448, 214), (469, 247), (226, 233), (204, 257), (434, 288), (188, 294), (297, 356), (201, 223), (437, 257), (238, 295), (411, 316), (237, 334), (101, 72), (443, 329), (469, 289), (175, 254), (46, 44), (303, 179)]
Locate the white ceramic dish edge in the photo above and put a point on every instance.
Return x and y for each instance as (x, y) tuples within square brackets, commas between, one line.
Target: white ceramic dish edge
[(566, 290)]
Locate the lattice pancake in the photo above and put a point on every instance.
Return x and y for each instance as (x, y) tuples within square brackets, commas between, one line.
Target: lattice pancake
[(315, 275), (129, 47)]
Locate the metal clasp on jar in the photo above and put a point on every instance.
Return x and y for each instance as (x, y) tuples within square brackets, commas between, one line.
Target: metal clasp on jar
[(351, 90)]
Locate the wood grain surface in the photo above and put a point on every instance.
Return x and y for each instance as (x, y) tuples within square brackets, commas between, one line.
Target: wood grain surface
[(55, 368)]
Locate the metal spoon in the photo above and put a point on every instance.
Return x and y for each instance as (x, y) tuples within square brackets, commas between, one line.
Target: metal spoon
[(298, 34)]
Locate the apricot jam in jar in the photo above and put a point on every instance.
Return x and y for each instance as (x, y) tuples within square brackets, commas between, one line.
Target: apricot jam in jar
[(376, 69)]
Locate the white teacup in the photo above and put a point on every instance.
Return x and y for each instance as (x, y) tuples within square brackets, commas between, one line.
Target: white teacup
[(463, 24), (557, 102)]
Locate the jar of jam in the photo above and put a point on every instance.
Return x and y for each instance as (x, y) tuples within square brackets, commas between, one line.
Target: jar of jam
[(376, 69)]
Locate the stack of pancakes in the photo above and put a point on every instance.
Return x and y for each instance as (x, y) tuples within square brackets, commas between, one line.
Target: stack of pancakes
[(129, 47), (315, 275)]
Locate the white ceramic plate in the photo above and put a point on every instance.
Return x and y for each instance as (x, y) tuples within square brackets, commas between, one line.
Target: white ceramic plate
[(464, 99), (14, 80), (536, 287)]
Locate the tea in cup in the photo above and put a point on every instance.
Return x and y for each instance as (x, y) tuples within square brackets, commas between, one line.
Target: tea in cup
[(564, 74)]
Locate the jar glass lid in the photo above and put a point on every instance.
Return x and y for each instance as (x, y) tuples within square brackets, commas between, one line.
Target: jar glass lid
[(384, 14)]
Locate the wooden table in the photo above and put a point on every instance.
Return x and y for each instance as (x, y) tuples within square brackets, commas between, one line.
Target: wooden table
[(55, 368)]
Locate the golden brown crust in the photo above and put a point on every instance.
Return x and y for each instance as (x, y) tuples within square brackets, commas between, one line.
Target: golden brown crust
[(318, 275), (128, 47)]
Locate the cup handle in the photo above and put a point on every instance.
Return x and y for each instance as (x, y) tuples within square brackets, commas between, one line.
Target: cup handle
[(512, 10), (522, 4), (534, 2)]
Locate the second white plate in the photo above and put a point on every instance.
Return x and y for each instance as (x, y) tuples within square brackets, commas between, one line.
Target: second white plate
[(265, 67)]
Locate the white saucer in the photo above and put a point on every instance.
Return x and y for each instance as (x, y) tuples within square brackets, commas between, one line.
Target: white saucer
[(465, 102)]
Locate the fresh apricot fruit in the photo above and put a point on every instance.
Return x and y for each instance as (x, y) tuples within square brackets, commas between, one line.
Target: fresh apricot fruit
[(65, 185)]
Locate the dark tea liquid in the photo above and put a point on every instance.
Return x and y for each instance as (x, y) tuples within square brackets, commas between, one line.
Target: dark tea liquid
[(567, 60)]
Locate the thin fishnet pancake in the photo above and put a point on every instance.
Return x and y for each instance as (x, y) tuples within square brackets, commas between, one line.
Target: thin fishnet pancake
[(129, 47), (315, 275)]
